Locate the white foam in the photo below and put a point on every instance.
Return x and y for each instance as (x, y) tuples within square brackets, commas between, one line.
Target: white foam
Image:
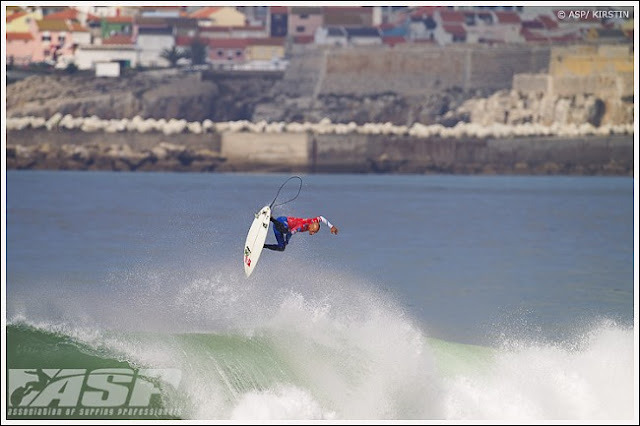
[(547, 382), (280, 403)]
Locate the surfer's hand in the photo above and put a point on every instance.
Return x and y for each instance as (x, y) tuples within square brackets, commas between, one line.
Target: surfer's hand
[(334, 230)]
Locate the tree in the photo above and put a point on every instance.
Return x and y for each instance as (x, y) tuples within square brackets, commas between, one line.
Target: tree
[(197, 52), (172, 55)]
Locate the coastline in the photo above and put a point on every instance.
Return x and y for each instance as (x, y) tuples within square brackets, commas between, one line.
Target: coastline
[(289, 152)]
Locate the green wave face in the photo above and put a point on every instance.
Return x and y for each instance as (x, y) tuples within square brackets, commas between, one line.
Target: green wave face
[(180, 376)]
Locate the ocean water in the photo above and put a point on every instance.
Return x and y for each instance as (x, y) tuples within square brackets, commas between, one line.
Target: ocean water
[(441, 298)]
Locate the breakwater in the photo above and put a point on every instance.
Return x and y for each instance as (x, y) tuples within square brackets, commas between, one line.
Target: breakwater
[(306, 151)]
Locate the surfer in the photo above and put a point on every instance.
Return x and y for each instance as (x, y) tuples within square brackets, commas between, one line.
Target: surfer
[(285, 226)]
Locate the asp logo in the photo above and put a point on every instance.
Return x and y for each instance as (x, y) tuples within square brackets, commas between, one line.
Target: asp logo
[(104, 387)]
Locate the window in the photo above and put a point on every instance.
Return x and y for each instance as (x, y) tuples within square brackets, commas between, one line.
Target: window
[(220, 52), (300, 28), (238, 53), (46, 37), (61, 39), (304, 16)]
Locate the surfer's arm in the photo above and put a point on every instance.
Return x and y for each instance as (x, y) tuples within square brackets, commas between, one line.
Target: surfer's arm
[(332, 228)]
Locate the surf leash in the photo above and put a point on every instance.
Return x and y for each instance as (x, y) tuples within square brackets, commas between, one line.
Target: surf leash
[(272, 206)]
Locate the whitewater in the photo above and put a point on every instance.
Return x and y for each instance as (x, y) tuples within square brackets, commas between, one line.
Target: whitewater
[(343, 352)]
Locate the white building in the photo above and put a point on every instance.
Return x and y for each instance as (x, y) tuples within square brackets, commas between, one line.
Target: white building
[(364, 36), (330, 36), (151, 42), (88, 55)]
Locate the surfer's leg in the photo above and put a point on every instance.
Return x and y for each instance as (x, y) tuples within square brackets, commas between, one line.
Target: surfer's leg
[(281, 242), (280, 224), (274, 247)]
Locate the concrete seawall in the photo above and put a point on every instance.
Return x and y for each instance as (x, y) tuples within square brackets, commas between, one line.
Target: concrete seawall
[(318, 153)]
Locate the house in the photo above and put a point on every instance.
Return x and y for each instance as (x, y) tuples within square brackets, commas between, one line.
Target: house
[(103, 11), (152, 36), (331, 36), (350, 16), (162, 11), (184, 26), (20, 48), (68, 13), (255, 16), (79, 35), (419, 28), (224, 52), (221, 16), (22, 21), (304, 21), (265, 49), (278, 21), (507, 27), (450, 27), (52, 38), (116, 25), (363, 36), (232, 32), (118, 48), (214, 32)]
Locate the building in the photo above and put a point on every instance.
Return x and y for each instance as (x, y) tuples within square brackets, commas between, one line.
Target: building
[(350, 16), (450, 27), (53, 39), (118, 49), (227, 52), (153, 36), (112, 25), (220, 16), (363, 36), (21, 48), (278, 21), (22, 21), (331, 36), (304, 21), (265, 49)]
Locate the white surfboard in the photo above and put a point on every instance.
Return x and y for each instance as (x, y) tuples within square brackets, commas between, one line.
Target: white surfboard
[(255, 239)]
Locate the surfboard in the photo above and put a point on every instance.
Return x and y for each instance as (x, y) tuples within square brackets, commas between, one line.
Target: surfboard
[(255, 239)]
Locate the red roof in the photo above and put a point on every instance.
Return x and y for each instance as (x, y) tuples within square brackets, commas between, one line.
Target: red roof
[(19, 36), (455, 29), (271, 41), (279, 9), (424, 11), (228, 43), (77, 28), (118, 39), (213, 29), (548, 22), (248, 27), (452, 16), (67, 13), (15, 16), (204, 13), (508, 17)]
